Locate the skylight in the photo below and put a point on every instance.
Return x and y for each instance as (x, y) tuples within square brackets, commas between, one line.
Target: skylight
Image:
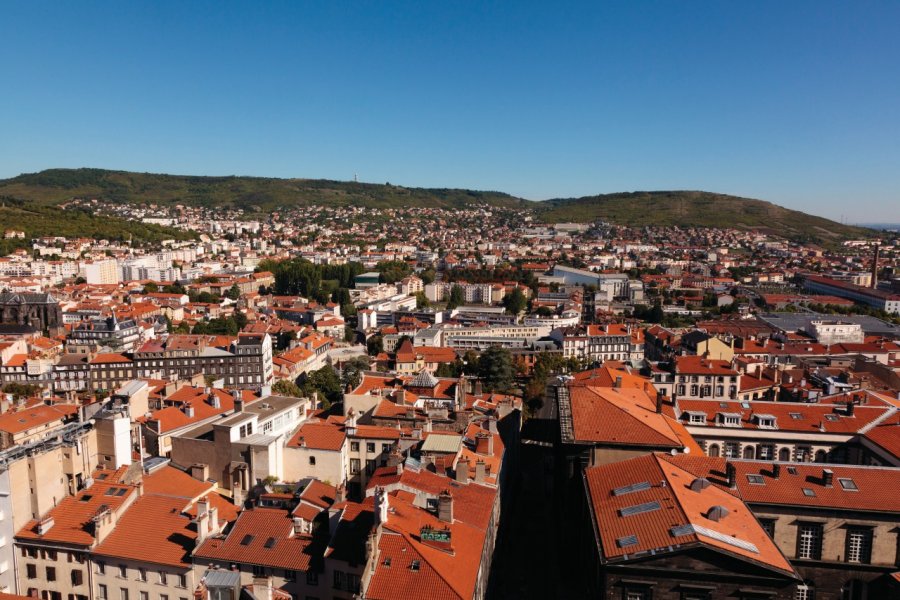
[(270, 543), (414, 565), (628, 540), (848, 484), (634, 487), (248, 539), (756, 479), (638, 509), (809, 492)]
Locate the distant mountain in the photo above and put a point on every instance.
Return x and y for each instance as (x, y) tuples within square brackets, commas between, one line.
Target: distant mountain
[(698, 209), (260, 194)]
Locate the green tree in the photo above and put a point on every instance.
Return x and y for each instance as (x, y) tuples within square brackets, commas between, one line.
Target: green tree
[(286, 387), (352, 370), (323, 382), (150, 288), (496, 370), (457, 297), (422, 300), (515, 301), (393, 270), (375, 345), (234, 292)]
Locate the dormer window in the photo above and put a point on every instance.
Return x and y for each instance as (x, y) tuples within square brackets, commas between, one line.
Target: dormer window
[(765, 422), (697, 418), (730, 419)]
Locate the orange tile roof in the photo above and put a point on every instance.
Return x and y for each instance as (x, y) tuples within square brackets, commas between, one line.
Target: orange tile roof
[(17, 421), (669, 505), (247, 540), (155, 529), (72, 516), (319, 435)]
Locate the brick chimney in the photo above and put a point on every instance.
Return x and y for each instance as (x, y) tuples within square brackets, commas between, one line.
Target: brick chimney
[(618, 382), (731, 475), (484, 443), (659, 402), (776, 471), (445, 507)]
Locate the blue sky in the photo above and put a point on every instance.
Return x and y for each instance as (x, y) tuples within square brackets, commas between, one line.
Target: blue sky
[(792, 102)]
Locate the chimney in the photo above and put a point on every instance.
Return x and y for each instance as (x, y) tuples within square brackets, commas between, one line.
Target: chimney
[(484, 444), (659, 402), (478, 390), (45, 525), (262, 588), (200, 471), (731, 475), (381, 505), (850, 407), (238, 401), (462, 470), (828, 477), (189, 410), (618, 383), (214, 400), (203, 528), (480, 471), (776, 471), (875, 267), (339, 494), (445, 507)]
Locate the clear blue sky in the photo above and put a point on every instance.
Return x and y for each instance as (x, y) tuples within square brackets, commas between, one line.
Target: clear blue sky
[(793, 102)]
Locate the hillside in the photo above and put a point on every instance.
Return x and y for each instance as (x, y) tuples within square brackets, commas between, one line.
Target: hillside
[(41, 221), (249, 193), (258, 194), (697, 209)]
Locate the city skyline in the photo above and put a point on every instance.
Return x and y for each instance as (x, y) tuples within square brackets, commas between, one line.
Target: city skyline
[(789, 104)]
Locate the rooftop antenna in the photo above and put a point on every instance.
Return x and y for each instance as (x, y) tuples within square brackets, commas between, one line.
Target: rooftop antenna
[(356, 178)]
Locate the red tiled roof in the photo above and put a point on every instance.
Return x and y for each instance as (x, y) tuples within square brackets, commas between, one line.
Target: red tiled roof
[(41, 414)]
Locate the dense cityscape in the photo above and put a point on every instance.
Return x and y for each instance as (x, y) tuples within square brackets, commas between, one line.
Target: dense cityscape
[(318, 403)]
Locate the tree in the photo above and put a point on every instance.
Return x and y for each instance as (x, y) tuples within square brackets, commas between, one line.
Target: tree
[(323, 382), (375, 345), (496, 370), (545, 311), (393, 270), (80, 280), (515, 301), (422, 300), (150, 288), (457, 297), (351, 373), (234, 292), (285, 387)]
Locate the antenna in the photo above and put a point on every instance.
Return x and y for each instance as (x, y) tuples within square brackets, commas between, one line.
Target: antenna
[(356, 178)]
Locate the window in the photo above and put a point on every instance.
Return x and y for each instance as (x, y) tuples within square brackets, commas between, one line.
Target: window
[(766, 452), (756, 479), (290, 575), (101, 592), (385, 447), (164, 578), (370, 466), (259, 571), (809, 492), (354, 446), (859, 545), (145, 595), (123, 594), (312, 578), (804, 591), (370, 447), (312, 461), (768, 526), (101, 567), (809, 541), (182, 580), (77, 577), (354, 466), (142, 574), (51, 573), (31, 571), (163, 597), (123, 571), (731, 450), (697, 418), (338, 583), (631, 593), (848, 484), (714, 450)]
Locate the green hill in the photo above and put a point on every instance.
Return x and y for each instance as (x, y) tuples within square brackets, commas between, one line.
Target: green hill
[(682, 208), (697, 209), (249, 193)]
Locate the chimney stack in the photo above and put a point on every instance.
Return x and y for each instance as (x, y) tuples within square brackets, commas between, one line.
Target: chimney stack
[(875, 267), (776, 471), (480, 471), (462, 470), (618, 382), (659, 402), (262, 588), (445, 507), (828, 477), (731, 475)]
